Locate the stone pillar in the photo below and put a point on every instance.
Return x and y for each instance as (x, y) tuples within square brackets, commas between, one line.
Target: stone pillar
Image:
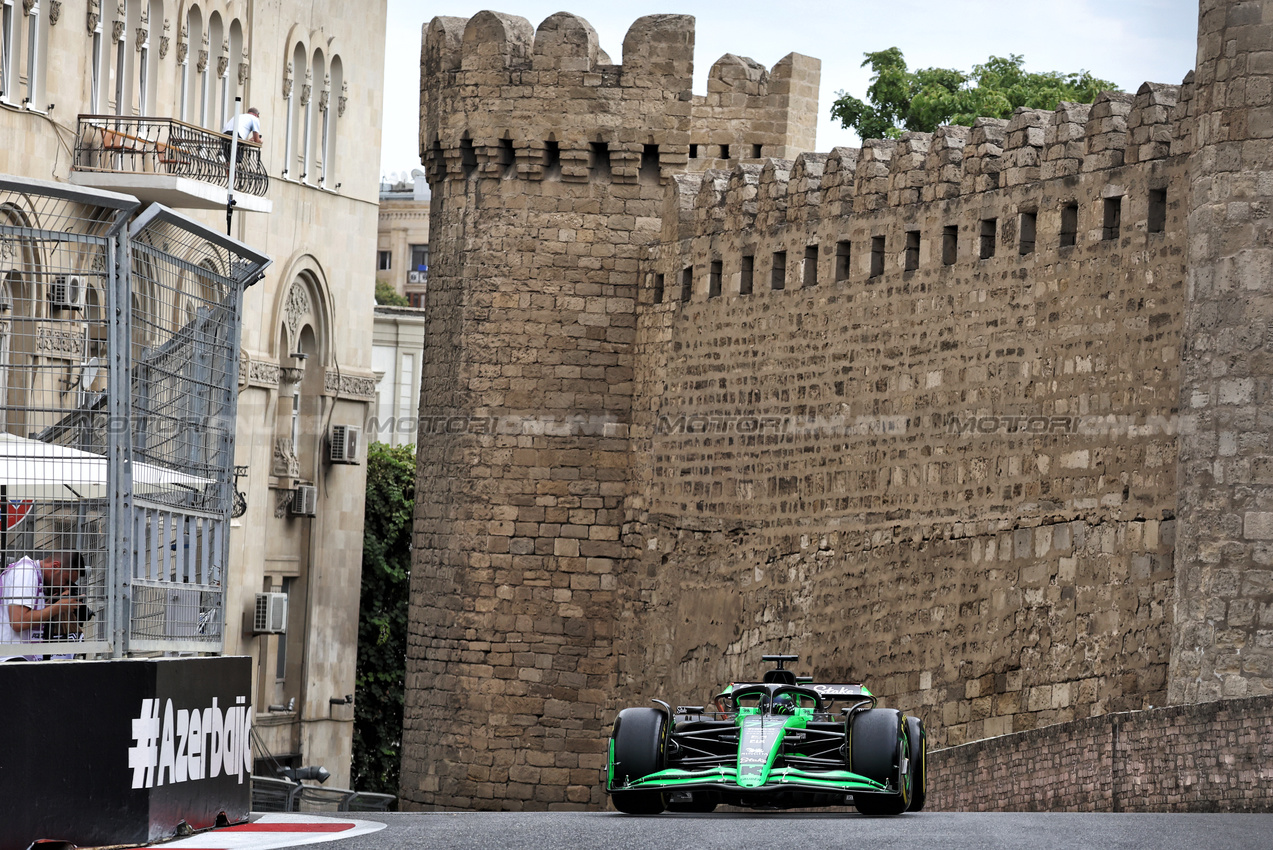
[(1223, 642)]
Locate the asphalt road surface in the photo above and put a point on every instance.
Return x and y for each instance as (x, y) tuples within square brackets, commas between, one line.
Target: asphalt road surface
[(812, 831)]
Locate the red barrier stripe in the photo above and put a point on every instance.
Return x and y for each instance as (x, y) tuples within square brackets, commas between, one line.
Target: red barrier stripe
[(289, 827)]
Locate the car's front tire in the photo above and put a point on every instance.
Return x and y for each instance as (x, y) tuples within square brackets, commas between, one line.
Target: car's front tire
[(917, 739), (640, 741), (876, 743)]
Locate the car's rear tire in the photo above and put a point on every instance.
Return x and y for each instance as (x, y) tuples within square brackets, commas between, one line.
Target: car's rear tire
[(640, 741), (876, 742), (917, 738)]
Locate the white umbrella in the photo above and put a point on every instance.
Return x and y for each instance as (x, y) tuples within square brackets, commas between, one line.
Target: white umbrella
[(39, 471)]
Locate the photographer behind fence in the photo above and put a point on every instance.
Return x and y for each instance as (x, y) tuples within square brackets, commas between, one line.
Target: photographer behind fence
[(35, 595)]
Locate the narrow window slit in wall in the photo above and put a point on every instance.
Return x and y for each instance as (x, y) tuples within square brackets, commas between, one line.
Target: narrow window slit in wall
[(1113, 219), (1157, 210), (1026, 230), (843, 259), (1069, 225), (989, 232), (747, 275), (950, 244), (658, 289), (713, 280), (877, 256), (810, 266), (687, 284), (778, 277), (912, 250)]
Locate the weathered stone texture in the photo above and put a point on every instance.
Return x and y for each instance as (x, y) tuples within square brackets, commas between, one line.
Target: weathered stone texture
[(809, 465), (547, 165), (1223, 644), (1211, 757)]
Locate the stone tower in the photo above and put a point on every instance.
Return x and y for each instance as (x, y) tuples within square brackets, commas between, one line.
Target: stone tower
[(1223, 642), (548, 167)]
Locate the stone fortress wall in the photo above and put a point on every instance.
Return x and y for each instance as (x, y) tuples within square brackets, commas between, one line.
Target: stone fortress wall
[(932, 413), (547, 165)]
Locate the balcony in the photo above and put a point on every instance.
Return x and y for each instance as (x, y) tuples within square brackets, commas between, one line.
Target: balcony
[(167, 161)]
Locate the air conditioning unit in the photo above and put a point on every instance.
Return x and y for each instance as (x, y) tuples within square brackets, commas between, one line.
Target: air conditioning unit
[(415, 277), (67, 291), (345, 442), (271, 614), (305, 500)]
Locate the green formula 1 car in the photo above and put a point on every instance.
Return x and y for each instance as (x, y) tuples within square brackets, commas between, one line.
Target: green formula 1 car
[(775, 744)]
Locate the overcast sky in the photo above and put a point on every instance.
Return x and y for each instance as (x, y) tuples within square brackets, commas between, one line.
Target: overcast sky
[(1127, 41)]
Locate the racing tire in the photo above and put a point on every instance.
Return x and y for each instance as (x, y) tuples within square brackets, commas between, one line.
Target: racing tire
[(917, 738), (876, 742), (640, 748)]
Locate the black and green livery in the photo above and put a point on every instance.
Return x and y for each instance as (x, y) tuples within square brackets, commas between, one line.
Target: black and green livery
[(774, 744)]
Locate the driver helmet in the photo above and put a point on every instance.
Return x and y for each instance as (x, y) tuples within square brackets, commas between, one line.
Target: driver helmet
[(783, 704)]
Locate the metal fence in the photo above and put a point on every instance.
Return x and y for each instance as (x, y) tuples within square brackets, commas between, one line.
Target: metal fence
[(119, 341), (124, 145)]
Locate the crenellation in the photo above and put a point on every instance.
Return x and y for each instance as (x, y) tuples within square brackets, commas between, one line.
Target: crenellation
[(496, 42), (945, 163), (742, 196), (1023, 145), (1106, 136), (870, 185), (805, 188), (838, 176), (658, 53), (907, 169), (772, 194), (1182, 118), (1064, 143), (983, 155), (566, 42), (1149, 124), (734, 76)]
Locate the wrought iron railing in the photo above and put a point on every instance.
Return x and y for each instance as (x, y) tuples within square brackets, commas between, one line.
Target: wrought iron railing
[(119, 144)]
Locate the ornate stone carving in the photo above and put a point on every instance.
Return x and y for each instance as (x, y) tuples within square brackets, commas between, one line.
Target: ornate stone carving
[(8, 249), (183, 49), (27, 6), (263, 373), (164, 39), (307, 88), (94, 14), (53, 342), (202, 64), (117, 31), (287, 80), (349, 386), (343, 99), (243, 70), (298, 306), (324, 97), (55, 12), (223, 65), (282, 501), (245, 364), (143, 38), (119, 27), (145, 15), (289, 377), (285, 463)]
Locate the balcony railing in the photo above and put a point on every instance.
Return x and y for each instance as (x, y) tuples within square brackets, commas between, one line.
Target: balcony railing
[(122, 145)]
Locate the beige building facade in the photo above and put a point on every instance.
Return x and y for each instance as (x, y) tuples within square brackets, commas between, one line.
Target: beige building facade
[(315, 72), (402, 241)]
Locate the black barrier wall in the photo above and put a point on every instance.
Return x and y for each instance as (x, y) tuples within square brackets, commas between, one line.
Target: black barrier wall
[(119, 752)]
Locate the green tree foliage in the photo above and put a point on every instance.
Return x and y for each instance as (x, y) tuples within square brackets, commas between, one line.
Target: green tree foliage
[(387, 296), (382, 618), (899, 99)]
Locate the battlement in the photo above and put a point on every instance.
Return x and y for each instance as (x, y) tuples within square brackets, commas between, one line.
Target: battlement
[(1117, 129), (500, 98)]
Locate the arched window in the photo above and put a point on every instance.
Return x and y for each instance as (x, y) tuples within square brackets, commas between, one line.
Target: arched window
[(148, 60), (119, 37), (313, 118), (191, 86), (97, 92), (296, 90), (334, 106), (236, 68), (214, 46), (24, 40)]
